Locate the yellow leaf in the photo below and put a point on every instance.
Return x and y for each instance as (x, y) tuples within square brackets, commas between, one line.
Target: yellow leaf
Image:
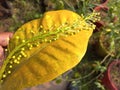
[(45, 48)]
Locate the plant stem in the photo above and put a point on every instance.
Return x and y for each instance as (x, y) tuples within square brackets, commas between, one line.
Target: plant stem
[(92, 72)]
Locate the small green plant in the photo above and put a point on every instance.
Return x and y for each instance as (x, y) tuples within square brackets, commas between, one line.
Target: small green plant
[(99, 85), (111, 28), (98, 67)]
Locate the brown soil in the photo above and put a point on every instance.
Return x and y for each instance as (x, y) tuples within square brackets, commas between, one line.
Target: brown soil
[(5, 13), (14, 13), (115, 75)]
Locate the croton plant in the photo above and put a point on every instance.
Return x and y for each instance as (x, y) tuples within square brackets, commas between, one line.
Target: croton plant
[(44, 48)]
